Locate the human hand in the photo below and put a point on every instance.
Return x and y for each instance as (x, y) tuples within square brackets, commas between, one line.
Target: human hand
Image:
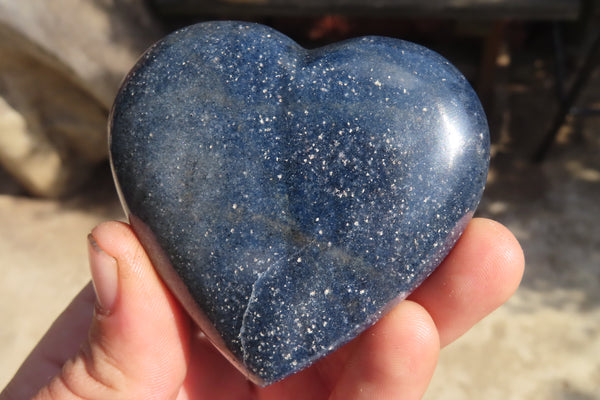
[(134, 341)]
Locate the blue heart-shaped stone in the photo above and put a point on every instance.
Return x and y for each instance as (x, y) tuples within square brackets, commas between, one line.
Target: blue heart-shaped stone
[(290, 197)]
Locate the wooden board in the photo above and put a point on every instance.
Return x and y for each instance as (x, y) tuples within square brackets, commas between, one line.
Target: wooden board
[(460, 9)]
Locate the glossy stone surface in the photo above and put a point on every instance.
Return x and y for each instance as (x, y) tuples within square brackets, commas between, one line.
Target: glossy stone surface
[(289, 197)]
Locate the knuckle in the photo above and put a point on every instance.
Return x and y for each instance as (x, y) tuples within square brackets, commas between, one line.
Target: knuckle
[(91, 375)]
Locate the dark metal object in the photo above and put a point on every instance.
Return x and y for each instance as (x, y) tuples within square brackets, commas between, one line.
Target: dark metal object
[(559, 56)]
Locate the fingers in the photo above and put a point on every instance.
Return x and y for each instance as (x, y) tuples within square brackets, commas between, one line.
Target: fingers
[(480, 273), (137, 343), (394, 359), (138, 346), (212, 376)]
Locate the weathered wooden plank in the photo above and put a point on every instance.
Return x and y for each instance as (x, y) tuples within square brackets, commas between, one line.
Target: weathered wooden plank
[(463, 9)]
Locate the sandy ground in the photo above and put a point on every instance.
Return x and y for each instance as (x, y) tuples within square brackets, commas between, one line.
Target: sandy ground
[(543, 344)]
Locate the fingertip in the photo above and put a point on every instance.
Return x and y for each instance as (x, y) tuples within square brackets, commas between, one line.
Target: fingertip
[(393, 359), (481, 272), (108, 229), (501, 258), (118, 240), (408, 335)]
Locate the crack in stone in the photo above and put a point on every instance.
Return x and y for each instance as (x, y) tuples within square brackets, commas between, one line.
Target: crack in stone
[(241, 334), (252, 298)]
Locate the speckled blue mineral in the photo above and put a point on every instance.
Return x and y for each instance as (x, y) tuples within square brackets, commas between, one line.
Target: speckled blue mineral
[(290, 197)]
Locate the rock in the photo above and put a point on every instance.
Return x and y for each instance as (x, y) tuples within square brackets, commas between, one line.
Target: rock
[(290, 197), (59, 73)]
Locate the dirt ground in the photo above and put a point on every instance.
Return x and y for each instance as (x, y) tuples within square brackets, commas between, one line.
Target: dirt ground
[(543, 344)]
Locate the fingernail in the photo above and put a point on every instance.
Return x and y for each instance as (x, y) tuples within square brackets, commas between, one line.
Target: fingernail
[(104, 276)]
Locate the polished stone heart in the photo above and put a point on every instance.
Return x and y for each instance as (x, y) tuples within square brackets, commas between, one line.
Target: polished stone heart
[(290, 197)]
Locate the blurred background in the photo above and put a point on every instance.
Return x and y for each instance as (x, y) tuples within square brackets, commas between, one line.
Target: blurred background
[(534, 63)]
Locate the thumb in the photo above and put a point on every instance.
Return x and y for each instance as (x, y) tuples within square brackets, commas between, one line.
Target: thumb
[(137, 345)]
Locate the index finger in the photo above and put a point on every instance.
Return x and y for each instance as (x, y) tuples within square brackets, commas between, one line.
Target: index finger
[(482, 271)]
